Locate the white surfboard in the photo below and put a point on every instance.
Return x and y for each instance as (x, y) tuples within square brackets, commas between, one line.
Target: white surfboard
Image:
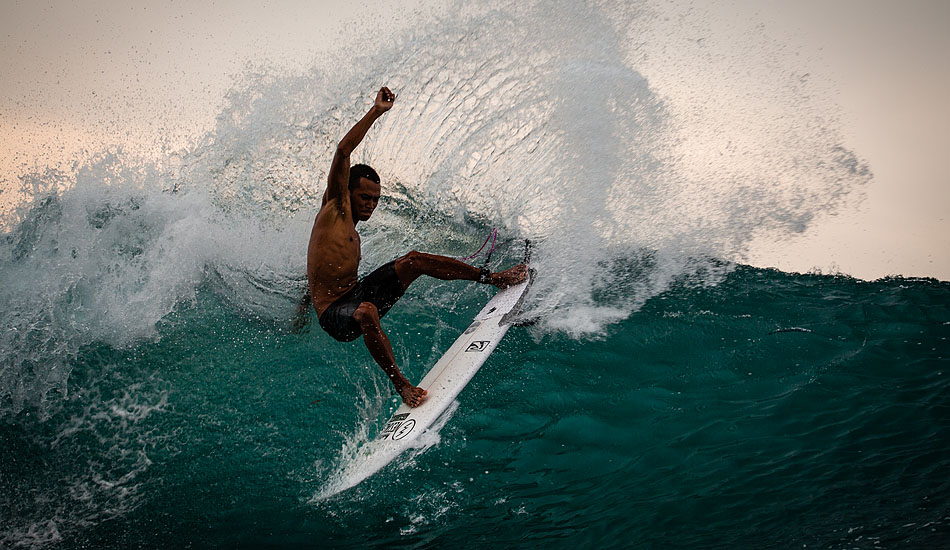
[(443, 383)]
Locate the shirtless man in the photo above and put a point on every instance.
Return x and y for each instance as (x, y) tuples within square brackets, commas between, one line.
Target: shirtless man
[(347, 307)]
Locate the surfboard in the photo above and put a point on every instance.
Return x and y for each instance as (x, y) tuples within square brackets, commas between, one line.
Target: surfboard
[(444, 381)]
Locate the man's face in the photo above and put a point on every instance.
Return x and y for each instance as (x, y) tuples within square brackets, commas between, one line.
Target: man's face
[(364, 198)]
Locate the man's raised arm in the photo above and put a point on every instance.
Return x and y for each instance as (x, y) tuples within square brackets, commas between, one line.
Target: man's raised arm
[(338, 179)]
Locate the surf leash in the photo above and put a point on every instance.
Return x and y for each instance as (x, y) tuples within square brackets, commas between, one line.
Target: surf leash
[(484, 275), (492, 236)]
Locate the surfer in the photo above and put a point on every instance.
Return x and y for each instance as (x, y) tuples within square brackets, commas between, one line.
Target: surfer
[(349, 307)]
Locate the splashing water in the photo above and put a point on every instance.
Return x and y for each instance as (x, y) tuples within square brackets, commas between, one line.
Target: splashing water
[(538, 119), (524, 118)]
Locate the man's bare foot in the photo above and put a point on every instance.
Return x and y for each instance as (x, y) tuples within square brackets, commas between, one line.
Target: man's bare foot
[(509, 277), (412, 395)]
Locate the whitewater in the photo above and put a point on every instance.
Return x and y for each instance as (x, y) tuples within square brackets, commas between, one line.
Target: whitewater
[(154, 391)]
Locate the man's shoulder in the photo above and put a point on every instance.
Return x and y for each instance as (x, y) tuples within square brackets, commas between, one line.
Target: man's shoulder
[(334, 211)]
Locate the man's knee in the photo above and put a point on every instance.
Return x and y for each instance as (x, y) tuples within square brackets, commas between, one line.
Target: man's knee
[(367, 316), (410, 266), (412, 259)]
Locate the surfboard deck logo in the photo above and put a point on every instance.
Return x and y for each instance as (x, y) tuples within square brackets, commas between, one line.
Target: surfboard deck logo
[(394, 423), (478, 345), (404, 429)]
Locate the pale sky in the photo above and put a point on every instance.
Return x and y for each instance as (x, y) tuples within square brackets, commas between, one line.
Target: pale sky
[(891, 63), (80, 76)]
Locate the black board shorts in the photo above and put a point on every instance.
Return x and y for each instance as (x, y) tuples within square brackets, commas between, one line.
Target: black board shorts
[(382, 288)]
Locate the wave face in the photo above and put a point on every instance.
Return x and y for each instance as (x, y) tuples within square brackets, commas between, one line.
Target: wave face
[(770, 410), (150, 382)]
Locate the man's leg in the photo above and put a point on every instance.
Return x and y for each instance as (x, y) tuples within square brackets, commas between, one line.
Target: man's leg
[(302, 317), (412, 265), (382, 351)]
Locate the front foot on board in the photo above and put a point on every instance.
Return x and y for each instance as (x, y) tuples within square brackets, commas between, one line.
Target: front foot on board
[(412, 395)]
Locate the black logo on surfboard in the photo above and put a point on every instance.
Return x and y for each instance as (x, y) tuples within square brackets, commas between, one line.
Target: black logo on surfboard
[(478, 345), (404, 429), (394, 425)]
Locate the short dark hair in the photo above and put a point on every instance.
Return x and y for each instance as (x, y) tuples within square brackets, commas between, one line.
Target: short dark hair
[(358, 171)]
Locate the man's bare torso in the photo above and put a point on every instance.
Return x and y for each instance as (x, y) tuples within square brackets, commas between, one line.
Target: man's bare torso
[(333, 256)]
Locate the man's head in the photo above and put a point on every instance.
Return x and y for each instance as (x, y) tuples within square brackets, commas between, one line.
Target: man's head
[(364, 191)]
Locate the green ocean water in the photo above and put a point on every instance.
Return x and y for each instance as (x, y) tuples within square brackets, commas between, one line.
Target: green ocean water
[(772, 410), (153, 393)]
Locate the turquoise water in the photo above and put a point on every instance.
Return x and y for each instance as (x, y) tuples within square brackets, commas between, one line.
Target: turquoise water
[(691, 424), (154, 395)]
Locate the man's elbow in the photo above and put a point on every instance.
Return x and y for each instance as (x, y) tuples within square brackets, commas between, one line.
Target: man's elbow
[(344, 149)]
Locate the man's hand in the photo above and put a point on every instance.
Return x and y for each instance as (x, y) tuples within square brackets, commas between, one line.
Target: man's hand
[(384, 100)]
